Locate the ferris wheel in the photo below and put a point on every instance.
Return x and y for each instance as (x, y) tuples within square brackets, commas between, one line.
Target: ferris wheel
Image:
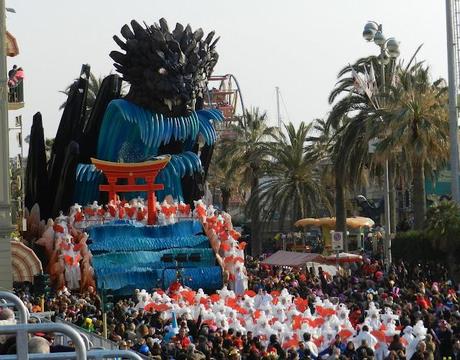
[(224, 93)]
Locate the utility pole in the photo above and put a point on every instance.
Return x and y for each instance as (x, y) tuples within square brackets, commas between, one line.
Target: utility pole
[(278, 113), (453, 119), (389, 48), (386, 181), (6, 277)]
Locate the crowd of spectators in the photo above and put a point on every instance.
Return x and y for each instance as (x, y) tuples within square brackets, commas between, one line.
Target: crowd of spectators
[(415, 292)]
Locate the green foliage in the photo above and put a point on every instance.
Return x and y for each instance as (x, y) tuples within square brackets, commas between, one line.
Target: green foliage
[(15, 234), (416, 126), (443, 225), (244, 155), (415, 246), (407, 113), (291, 187), (226, 175), (245, 150), (439, 238), (94, 84)]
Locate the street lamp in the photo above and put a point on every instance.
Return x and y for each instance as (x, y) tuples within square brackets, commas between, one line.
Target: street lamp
[(6, 278), (389, 49), (370, 29), (451, 30)]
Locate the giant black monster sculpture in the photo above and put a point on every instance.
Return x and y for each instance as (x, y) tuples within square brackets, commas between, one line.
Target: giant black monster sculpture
[(162, 113), (168, 71)]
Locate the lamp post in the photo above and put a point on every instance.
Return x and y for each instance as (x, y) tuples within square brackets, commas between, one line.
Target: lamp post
[(389, 49), (6, 278), (453, 115)]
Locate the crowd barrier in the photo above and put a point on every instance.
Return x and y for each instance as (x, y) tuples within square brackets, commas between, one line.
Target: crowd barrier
[(83, 343), (94, 340)]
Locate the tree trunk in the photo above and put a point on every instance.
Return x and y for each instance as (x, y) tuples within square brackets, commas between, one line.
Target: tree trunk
[(418, 198), (301, 204), (225, 198), (255, 223), (393, 202), (340, 210)]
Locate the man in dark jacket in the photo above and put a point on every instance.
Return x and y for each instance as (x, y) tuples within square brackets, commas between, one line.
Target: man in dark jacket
[(365, 352), (276, 345)]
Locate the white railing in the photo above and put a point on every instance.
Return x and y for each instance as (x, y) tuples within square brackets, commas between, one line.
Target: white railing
[(83, 346)]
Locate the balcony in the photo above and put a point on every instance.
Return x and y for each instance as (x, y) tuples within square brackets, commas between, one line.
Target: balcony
[(16, 97)]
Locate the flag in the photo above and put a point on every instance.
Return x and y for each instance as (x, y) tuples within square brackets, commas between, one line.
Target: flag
[(373, 80), (359, 83), (368, 84), (174, 326)]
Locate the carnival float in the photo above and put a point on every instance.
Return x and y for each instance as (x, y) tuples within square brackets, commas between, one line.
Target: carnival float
[(118, 205)]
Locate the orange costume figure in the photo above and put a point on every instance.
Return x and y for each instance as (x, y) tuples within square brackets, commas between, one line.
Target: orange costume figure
[(71, 258), (184, 209), (141, 213)]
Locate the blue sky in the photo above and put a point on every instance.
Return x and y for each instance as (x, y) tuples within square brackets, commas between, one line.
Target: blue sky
[(298, 45)]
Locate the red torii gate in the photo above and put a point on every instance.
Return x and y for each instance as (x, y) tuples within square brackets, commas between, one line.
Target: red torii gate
[(147, 170)]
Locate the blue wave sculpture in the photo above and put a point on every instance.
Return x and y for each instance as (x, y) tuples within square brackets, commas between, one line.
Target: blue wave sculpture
[(130, 133), (128, 256)]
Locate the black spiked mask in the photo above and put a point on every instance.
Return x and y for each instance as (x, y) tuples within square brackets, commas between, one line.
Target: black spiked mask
[(167, 70)]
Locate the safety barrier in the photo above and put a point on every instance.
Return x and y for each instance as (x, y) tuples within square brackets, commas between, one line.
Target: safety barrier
[(93, 354), (93, 340), (84, 348), (22, 342), (23, 318), (23, 313)]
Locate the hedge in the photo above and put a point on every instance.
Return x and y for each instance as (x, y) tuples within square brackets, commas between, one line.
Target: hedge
[(415, 246)]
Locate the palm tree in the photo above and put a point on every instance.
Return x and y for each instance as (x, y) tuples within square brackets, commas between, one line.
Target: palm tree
[(225, 176), (351, 161), (94, 84), (246, 150), (291, 188), (415, 123), (322, 138), (48, 147), (349, 144), (443, 227)]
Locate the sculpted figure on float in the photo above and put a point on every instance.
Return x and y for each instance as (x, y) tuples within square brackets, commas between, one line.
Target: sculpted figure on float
[(163, 113)]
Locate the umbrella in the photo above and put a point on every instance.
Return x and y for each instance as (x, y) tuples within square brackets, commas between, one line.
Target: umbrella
[(344, 258), (359, 221), (12, 48), (354, 222), (307, 222)]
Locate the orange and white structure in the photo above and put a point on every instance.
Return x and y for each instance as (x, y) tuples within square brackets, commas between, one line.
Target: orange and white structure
[(146, 171)]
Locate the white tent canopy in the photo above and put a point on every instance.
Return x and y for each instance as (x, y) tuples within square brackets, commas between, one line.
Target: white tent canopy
[(291, 258), (344, 258)]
